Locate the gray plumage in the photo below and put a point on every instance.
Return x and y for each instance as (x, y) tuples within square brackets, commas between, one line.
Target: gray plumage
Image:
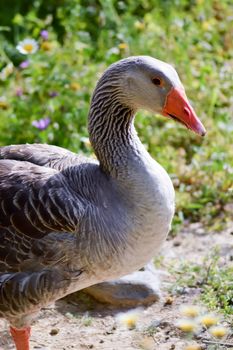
[(67, 222)]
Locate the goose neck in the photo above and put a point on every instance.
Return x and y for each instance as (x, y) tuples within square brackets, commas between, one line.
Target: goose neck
[(111, 130)]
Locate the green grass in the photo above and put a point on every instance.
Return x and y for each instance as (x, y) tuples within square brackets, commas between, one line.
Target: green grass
[(213, 277)]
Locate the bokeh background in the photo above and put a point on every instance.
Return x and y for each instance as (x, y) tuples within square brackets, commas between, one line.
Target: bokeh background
[(45, 96)]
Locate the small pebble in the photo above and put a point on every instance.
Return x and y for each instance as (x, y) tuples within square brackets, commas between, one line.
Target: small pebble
[(176, 243), (169, 301), (54, 331)]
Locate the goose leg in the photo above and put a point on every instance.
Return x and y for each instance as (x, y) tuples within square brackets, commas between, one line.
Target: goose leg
[(21, 337)]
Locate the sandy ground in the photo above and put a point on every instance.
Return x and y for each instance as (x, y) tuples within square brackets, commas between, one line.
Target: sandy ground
[(78, 322)]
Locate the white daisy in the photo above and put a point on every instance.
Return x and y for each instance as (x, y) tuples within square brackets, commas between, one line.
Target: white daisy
[(27, 46)]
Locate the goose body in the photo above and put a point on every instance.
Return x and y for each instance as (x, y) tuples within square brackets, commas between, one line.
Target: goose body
[(67, 222)]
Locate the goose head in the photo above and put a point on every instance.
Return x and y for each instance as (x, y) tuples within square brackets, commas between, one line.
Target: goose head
[(148, 83)]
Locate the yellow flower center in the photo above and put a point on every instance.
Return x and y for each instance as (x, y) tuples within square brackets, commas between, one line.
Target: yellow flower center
[(46, 46), (219, 331), (193, 347), (28, 47), (75, 86), (209, 320), (123, 46), (130, 323), (190, 311), (3, 104)]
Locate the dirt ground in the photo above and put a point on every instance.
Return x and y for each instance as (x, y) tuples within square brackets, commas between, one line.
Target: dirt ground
[(78, 322)]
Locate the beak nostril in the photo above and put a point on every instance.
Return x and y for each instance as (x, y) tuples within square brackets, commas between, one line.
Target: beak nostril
[(187, 111)]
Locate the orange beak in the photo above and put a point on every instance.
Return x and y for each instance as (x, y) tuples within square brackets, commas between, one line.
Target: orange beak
[(178, 107)]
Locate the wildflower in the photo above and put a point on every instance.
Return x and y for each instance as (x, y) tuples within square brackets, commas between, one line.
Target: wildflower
[(123, 46), (218, 331), (75, 86), (44, 34), (24, 64), (193, 347), (53, 94), (19, 92), (46, 46), (209, 320), (186, 325), (27, 46), (206, 25), (42, 123), (6, 71), (3, 103), (190, 310), (129, 318), (139, 25)]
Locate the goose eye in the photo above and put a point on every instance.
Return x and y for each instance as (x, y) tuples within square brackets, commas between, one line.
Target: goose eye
[(157, 81)]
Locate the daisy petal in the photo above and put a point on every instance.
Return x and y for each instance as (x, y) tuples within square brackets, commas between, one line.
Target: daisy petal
[(27, 46)]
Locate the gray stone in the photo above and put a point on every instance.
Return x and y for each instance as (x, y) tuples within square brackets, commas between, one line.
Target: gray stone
[(138, 288)]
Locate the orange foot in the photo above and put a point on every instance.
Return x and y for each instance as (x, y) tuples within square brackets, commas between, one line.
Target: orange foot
[(21, 337)]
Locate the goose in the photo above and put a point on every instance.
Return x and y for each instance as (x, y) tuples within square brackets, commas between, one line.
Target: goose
[(68, 222)]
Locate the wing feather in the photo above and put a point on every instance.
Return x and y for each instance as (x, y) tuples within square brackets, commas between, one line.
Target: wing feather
[(36, 200), (44, 155)]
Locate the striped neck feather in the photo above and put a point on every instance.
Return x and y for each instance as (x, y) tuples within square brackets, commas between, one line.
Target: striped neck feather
[(110, 126)]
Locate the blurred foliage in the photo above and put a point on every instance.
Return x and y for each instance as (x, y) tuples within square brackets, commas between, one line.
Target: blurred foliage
[(84, 37)]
